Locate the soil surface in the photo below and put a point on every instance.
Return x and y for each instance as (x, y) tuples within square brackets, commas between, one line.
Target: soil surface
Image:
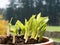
[(18, 40)]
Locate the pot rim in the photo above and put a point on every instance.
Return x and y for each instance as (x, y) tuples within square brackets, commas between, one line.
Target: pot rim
[(48, 42)]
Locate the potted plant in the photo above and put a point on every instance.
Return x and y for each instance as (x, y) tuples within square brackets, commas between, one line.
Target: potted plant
[(30, 33)]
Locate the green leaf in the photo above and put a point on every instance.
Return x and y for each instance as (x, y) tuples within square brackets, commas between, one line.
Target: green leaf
[(38, 16), (10, 23), (41, 32), (13, 30), (25, 21), (21, 26), (34, 30), (28, 28)]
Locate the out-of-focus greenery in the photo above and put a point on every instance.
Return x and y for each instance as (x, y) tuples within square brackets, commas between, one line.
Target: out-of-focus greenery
[(56, 39), (3, 27), (53, 28), (20, 10)]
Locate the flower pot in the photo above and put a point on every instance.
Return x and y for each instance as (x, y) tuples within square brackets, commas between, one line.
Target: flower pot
[(45, 41)]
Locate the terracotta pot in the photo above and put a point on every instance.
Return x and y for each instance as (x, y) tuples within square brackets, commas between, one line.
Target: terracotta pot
[(45, 40)]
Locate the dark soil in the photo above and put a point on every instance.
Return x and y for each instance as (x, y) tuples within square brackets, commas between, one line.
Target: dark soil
[(18, 41)]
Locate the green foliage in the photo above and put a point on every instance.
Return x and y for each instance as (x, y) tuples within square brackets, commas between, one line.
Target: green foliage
[(33, 28), (14, 29), (21, 26)]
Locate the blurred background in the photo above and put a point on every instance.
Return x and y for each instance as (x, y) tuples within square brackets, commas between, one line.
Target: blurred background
[(21, 9)]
